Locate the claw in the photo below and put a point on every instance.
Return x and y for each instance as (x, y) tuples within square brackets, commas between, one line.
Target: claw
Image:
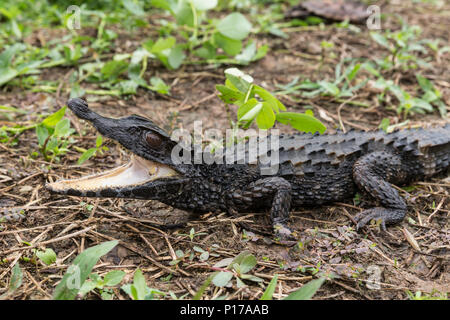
[(384, 215), (284, 233)]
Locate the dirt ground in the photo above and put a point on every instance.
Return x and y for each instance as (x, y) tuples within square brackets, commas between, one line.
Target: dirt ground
[(408, 257)]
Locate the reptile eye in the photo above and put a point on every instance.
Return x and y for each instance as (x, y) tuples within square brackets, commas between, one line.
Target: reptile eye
[(153, 140)]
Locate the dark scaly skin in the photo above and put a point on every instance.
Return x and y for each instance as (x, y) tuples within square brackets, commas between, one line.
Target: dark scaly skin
[(313, 170)]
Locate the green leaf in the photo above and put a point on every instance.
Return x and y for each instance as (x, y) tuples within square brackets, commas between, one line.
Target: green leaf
[(231, 46), (176, 57), (222, 278), (15, 282), (239, 258), (183, 13), (128, 86), (48, 256), (158, 85), (422, 104), (113, 278), (307, 291), (234, 26), (424, 83), (268, 293), (53, 119), (207, 51), (162, 44), (203, 5), (7, 74), (248, 263), (112, 69), (11, 109), (249, 111), (203, 287), (381, 40), (430, 96), (266, 117), (86, 155), (80, 269), (139, 285), (261, 52), (301, 122), (42, 134), (87, 287), (6, 57), (329, 88), (169, 5), (247, 54), (134, 7), (251, 278), (62, 128), (273, 102), (384, 124), (229, 96), (98, 141), (442, 108), (238, 79), (351, 73)]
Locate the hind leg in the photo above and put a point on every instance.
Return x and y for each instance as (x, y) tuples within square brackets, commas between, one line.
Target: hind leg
[(372, 174)]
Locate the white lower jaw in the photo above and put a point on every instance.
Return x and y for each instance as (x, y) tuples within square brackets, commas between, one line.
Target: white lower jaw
[(138, 171)]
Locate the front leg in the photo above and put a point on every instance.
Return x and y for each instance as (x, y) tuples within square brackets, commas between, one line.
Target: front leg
[(278, 190), (372, 174)]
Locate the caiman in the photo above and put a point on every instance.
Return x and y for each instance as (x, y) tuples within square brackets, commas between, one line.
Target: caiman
[(312, 170)]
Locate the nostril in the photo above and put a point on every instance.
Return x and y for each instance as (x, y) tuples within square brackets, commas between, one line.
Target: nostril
[(80, 108)]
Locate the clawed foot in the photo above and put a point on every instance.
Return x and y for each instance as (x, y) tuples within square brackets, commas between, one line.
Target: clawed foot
[(384, 215), (283, 233)]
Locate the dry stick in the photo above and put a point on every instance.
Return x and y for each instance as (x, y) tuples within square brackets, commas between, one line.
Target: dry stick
[(143, 238), (156, 263), (48, 241), (20, 182), (436, 210), (339, 112), (281, 277), (37, 285), (195, 104), (357, 126), (350, 289), (434, 184), (38, 227)]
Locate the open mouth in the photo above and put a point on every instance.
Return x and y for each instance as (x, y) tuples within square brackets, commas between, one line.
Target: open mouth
[(137, 172)]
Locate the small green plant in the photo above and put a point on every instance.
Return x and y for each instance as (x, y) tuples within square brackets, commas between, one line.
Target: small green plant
[(307, 291), (103, 285), (256, 103), (80, 269), (138, 290), (407, 103), (87, 154), (238, 267), (48, 256), (53, 135), (15, 282), (340, 88), (13, 65), (431, 94), (434, 295), (211, 40), (403, 46)]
